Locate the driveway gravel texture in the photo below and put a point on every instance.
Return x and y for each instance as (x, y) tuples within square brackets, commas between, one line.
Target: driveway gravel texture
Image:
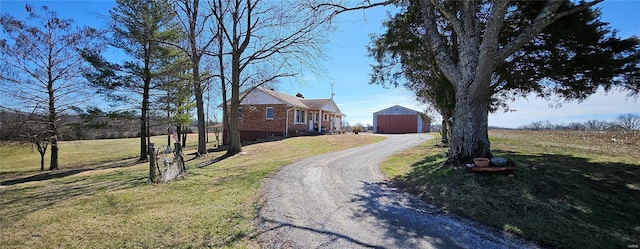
[(342, 200)]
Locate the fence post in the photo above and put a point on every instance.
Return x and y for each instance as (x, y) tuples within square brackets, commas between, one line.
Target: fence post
[(152, 163), (178, 154)]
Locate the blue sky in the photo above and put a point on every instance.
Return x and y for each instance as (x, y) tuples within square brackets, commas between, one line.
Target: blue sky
[(348, 67)]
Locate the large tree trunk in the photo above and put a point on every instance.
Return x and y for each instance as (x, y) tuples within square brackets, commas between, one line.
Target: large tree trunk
[(184, 137), (469, 136), (197, 87), (235, 145), (444, 132), (237, 48), (143, 122), (53, 126), (143, 137), (54, 154)]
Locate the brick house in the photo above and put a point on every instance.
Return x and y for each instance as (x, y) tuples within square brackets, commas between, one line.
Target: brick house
[(265, 112)]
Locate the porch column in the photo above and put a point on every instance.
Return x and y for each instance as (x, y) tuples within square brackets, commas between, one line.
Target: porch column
[(320, 120), (333, 122)]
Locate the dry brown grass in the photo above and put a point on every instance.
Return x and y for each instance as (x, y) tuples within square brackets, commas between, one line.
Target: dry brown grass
[(619, 146)]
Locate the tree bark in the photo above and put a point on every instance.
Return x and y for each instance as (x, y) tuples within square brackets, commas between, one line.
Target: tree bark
[(54, 154), (42, 149), (469, 136), (143, 136), (53, 121), (202, 131), (445, 130), (184, 137), (235, 145), (144, 117)]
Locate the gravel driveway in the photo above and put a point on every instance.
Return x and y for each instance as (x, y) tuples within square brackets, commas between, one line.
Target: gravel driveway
[(341, 200)]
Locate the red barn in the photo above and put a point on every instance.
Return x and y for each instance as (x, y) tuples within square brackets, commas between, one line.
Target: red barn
[(398, 120)]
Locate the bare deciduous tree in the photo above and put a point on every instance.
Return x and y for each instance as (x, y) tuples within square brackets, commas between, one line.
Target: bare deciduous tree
[(263, 41), (596, 125), (629, 121), (194, 18), (42, 68)]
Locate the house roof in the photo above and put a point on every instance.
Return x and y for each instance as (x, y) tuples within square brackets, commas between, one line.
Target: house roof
[(396, 110), (312, 104), (320, 103), (315, 103), (287, 99)]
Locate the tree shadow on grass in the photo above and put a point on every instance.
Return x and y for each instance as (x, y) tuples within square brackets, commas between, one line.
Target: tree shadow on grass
[(279, 240), (207, 162), (19, 201), (585, 197), (558, 200), (24, 177), (411, 223)]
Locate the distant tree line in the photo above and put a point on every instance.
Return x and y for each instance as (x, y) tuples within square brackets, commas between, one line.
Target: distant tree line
[(19, 127), (629, 121)]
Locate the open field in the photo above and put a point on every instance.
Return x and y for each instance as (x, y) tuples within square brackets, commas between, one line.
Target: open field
[(114, 207), (574, 189), (77, 153)]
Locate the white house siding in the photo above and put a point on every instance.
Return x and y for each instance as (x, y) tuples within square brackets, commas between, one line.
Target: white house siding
[(257, 97)]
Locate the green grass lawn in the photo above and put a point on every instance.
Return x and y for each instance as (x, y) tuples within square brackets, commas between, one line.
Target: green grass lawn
[(574, 189), (74, 154), (114, 207)]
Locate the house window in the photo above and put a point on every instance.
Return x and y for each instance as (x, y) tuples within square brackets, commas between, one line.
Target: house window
[(313, 116), (325, 117), (270, 113), (240, 113), (299, 116)]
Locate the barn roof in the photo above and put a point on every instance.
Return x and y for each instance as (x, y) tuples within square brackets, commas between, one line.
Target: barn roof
[(396, 110)]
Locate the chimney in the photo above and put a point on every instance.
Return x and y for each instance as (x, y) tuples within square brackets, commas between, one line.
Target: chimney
[(299, 95)]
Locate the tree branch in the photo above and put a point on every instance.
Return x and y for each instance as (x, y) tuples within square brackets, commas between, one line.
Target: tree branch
[(451, 16), (340, 8), (544, 18), (444, 59)]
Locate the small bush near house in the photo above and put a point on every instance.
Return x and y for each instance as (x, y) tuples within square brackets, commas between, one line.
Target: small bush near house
[(357, 128)]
